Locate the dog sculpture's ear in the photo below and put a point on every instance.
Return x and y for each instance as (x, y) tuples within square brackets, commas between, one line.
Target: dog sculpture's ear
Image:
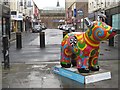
[(88, 23)]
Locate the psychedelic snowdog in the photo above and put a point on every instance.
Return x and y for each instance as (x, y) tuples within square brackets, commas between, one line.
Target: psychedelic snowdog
[(81, 49)]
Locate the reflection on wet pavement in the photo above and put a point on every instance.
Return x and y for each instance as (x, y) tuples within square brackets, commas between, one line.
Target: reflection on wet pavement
[(41, 76), (32, 76)]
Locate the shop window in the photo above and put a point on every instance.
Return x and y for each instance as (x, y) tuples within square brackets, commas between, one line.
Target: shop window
[(108, 3), (12, 26), (116, 21), (4, 26)]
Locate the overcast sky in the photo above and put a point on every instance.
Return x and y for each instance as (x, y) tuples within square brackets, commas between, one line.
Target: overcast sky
[(49, 3)]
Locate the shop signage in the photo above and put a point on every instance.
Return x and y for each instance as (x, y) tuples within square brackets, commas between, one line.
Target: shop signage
[(19, 16)]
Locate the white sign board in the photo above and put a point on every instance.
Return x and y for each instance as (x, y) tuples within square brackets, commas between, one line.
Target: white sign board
[(18, 17), (13, 17)]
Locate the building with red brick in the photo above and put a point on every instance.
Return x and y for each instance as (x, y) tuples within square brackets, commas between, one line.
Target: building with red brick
[(52, 17), (72, 8)]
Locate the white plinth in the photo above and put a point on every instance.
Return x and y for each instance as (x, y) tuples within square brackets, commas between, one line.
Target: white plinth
[(84, 78)]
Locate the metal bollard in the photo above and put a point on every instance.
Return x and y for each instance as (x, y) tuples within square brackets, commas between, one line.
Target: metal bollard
[(64, 33), (42, 39), (111, 42), (18, 40), (5, 51)]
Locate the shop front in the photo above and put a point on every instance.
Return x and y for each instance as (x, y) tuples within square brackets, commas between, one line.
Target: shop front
[(116, 22), (28, 23), (5, 20), (16, 21), (113, 15)]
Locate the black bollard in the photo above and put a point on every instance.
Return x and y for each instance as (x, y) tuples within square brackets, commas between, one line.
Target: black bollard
[(18, 40), (42, 39), (5, 51), (111, 42), (64, 33)]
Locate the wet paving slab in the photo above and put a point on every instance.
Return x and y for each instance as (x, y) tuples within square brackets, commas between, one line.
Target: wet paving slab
[(40, 75), (28, 75)]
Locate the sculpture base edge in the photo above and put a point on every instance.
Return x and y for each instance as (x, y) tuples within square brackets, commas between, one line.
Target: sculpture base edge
[(84, 78)]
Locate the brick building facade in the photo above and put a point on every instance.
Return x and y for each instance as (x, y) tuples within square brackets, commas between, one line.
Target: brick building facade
[(72, 15), (53, 17)]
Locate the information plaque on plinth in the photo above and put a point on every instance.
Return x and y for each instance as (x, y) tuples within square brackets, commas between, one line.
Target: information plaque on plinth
[(84, 78)]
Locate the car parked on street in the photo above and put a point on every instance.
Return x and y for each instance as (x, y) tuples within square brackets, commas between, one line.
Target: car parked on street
[(60, 27), (64, 27), (72, 28), (36, 29), (43, 26), (69, 28)]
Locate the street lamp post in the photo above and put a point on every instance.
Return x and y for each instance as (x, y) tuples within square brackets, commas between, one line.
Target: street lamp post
[(81, 13)]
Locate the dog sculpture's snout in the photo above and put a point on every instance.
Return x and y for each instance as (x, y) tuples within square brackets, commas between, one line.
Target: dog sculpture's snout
[(88, 22)]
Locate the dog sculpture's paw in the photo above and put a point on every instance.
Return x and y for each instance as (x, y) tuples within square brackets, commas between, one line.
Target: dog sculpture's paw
[(94, 68), (83, 70), (65, 65)]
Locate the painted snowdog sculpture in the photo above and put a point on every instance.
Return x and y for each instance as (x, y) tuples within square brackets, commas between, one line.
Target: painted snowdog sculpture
[(81, 49)]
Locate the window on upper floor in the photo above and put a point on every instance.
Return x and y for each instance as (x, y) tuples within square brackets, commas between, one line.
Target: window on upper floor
[(93, 5), (21, 3), (116, 21), (6, 2), (25, 4), (89, 5), (13, 13), (29, 4), (117, 0), (92, 2), (108, 3)]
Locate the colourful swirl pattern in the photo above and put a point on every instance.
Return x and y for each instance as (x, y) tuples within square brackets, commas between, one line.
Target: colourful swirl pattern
[(85, 46)]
